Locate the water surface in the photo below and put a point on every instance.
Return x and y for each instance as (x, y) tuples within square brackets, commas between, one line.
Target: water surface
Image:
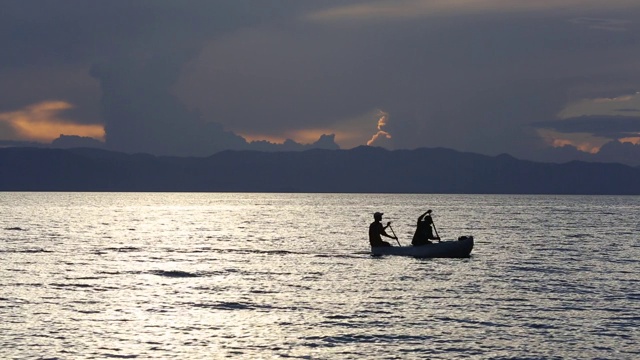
[(200, 276)]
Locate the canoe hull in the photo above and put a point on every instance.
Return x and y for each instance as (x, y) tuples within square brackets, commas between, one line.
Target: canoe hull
[(445, 249)]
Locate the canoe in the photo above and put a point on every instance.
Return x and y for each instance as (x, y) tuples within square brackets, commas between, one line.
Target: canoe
[(460, 248)]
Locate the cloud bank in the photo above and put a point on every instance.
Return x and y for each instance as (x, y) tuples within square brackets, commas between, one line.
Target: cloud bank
[(166, 77)]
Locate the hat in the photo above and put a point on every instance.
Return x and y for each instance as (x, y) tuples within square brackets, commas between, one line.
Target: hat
[(377, 214)]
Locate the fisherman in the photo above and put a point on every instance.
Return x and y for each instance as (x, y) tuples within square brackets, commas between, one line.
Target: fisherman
[(376, 229), (424, 232)]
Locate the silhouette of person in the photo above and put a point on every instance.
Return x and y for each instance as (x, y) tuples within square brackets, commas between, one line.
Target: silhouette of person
[(424, 232), (376, 231)]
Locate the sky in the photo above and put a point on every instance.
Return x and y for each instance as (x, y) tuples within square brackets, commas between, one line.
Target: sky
[(547, 80)]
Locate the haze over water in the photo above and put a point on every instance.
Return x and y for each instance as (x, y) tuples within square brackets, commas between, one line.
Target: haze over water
[(254, 275)]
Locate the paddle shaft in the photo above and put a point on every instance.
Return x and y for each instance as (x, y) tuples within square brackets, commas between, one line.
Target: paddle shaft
[(436, 230), (394, 234), (432, 223)]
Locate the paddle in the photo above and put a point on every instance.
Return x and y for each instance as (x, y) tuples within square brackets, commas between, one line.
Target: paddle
[(434, 225), (436, 230), (394, 233)]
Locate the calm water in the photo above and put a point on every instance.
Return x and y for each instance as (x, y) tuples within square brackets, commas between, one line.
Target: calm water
[(188, 276)]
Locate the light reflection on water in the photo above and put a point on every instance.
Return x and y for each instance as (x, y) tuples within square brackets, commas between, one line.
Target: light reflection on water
[(160, 275)]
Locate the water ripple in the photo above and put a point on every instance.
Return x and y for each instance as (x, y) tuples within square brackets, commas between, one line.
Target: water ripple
[(174, 273)]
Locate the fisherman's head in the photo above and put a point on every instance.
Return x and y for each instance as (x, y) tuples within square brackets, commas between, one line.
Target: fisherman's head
[(428, 219), (377, 216)]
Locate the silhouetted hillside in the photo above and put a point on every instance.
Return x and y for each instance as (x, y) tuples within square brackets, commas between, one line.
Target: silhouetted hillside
[(363, 169)]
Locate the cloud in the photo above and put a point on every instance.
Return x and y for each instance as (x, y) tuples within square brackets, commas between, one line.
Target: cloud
[(626, 103), (613, 151), (136, 52), (43, 122), (381, 138), (610, 127), (139, 108), (412, 9), (75, 141), (622, 152), (590, 133), (458, 81), (324, 142), (142, 115), (603, 24), (193, 77), (583, 142), (354, 131)]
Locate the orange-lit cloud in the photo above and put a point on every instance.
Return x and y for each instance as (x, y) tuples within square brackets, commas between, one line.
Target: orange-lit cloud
[(411, 9), (344, 139), (581, 141), (42, 122), (632, 140), (307, 136), (381, 134), (303, 136), (349, 133)]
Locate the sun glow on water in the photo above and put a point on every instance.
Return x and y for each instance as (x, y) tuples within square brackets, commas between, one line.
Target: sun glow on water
[(159, 275)]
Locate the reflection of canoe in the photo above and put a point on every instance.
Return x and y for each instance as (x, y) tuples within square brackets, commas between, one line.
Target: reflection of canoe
[(445, 249)]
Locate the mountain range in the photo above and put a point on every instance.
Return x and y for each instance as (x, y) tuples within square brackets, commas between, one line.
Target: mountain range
[(359, 170)]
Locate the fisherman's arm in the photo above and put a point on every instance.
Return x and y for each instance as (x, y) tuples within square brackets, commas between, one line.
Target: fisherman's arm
[(384, 233)]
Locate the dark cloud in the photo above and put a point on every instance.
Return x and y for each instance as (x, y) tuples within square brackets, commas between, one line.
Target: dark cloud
[(141, 114), (461, 82), (139, 111), (74, 141), (137, 51), (324, 142), (188, 77), (611, 127), (78, 31), (603, 24), (615, 151)]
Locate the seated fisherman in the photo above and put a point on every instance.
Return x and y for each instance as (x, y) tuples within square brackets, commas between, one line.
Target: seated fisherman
[(424, 232), (376, 230)]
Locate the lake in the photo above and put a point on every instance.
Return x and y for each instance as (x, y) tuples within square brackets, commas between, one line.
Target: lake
[(266, 275)]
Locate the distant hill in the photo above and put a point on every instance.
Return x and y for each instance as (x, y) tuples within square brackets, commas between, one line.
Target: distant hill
[(360, 170)]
